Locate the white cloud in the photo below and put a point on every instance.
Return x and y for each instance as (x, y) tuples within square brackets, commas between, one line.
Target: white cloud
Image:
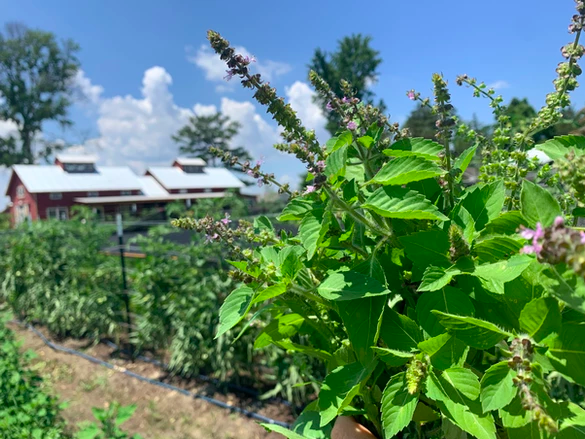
[(85, 89), (136, 131), (300, 97), (215, 69), (498, 85), (204, 110), (7, 128)]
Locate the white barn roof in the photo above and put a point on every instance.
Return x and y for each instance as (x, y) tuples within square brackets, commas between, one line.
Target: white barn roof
[(76, 158), (151, 188), (213, 178), (39, 179), (188, 161)]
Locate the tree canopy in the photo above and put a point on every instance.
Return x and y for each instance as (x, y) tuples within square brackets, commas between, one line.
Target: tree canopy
[(216, 130), (356, 62), (36, 81)]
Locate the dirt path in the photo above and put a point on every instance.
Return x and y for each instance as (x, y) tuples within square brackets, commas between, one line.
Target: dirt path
[(161, 413)]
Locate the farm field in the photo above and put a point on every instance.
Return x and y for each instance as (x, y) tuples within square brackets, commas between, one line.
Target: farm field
[(161, 413)]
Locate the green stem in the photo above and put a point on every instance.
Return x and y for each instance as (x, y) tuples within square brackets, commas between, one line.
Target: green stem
[(356, 215)]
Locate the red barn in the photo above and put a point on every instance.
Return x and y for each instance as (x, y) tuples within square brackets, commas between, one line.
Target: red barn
[(48, 192)]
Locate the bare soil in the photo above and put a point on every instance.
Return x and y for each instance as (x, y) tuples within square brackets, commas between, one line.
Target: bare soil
[(161, 413)]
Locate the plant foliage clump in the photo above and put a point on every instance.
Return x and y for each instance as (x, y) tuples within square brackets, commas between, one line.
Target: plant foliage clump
[(438, 310)]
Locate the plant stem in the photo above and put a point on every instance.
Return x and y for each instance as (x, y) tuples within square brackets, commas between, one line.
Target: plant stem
[(356, 215)]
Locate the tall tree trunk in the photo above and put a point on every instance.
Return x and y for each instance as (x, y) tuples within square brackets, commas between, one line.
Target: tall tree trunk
[(27, 153)]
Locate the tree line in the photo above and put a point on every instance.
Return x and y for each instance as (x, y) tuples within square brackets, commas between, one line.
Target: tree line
[(37, 86)]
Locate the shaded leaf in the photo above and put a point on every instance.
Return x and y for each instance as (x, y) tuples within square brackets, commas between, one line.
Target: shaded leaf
[(399, 332), (392, 357), (567, 351), (445, 351), (339, 388), (475, 332), (361, 319), (450, 300), (540, 318), (350, 285)]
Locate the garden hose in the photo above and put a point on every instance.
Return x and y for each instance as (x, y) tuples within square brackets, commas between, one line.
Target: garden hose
[(233, 408)]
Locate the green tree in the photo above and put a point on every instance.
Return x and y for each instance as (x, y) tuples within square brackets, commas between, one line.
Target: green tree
[(36, 73), (421, 123), (356, 62), (216, 130), (521, 114)]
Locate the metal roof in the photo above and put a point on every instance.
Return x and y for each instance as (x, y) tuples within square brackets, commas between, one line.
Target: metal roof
[(76, 158), (151, 188), (189, 161), (213, 178), (38, 179), (147, 199)]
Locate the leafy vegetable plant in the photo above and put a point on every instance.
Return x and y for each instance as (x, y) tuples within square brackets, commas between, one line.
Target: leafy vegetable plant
[(110, 419), (439, 310), (25, 410)]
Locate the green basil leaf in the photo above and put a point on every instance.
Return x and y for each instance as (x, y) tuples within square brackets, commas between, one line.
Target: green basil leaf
[(398, 405), (538, 205), (404, 170), (234, 308), (475, 332), (497, 388)]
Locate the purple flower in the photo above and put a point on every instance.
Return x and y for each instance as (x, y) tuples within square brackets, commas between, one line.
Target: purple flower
[(211, 238), (230, 74), (345, 100), (249, 59), (250, 172), (329, 106), (260, 182), (582, 233), (321, 165), (310, 189), (225, 221), (559, 221), (411, 95), (260, 162), (351, 125)]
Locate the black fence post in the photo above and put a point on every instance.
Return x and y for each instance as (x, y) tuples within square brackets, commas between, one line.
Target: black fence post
[(125, 292)]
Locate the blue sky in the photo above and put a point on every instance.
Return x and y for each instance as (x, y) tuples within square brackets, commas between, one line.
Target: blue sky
[(145, 70)]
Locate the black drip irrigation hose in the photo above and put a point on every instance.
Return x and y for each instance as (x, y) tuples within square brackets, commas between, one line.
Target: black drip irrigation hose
[(111, 366), (205, 378)]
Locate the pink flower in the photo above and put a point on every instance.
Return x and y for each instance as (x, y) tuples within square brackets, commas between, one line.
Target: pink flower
[(559, 221), (411, 95), (351, 125), (250, 173), (582, 233), (527, 233), (260, 182), (260, 162), (329, 106), (310, 189), (225, 221), (249, 59), (345, 100), (539, 232)]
